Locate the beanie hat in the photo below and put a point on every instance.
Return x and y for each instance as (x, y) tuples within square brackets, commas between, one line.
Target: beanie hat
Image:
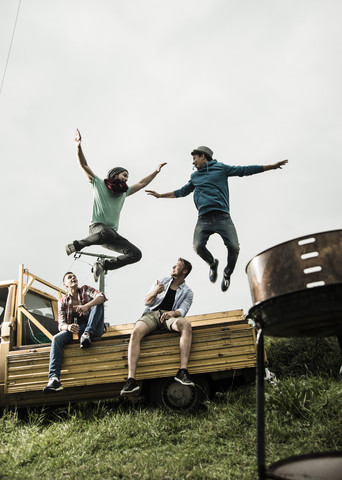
[(115, 171)]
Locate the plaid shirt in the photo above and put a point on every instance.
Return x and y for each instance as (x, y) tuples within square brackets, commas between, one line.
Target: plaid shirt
[(66, 314)]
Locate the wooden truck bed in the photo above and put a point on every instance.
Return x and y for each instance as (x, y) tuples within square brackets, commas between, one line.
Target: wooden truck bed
[(223, 344)]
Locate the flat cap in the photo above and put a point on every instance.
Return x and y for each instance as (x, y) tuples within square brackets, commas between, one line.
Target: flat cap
[(203, 150)]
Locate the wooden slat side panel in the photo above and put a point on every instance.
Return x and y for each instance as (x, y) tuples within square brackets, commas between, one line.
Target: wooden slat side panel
[(215, 348)]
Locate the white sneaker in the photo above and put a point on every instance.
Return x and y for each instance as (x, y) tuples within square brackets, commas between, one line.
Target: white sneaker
[(97, 270), (85, 340), (70, 249)]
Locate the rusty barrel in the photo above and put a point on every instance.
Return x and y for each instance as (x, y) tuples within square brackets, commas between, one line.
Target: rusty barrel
[(296, 286)]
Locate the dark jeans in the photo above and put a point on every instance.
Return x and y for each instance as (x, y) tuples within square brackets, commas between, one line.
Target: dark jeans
[(95, 326), (223, 225), (107, 237)]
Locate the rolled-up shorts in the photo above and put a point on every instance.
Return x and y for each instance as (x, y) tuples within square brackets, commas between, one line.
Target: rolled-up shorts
[(152, 320)]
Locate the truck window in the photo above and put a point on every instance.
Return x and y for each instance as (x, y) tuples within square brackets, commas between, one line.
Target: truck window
[(3, 300), (41, 309)]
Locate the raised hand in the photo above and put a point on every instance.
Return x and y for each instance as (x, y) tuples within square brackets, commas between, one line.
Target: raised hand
[(153, 193), (280, 164), (78, 137), (160, 166), (159, 288)]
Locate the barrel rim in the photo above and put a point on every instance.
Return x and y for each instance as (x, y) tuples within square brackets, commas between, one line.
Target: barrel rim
[(290, 241)]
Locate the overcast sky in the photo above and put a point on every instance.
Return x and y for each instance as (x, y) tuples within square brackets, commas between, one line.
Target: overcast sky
[(146, 81)]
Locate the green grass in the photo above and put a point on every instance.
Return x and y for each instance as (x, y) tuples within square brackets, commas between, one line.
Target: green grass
[(302, 355), (115, 440)]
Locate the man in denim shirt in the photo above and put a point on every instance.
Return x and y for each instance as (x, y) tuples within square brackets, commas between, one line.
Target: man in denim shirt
[(211, 196), (167, 303)]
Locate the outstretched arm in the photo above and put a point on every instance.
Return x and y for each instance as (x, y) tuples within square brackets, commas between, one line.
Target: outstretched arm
[(161, 195), (274, 166), (81, 158), (145, 181)]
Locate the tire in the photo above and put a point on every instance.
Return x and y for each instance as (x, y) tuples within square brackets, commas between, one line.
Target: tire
[(168, 393)]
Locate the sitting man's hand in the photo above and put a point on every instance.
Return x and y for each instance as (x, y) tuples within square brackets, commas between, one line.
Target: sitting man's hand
[(80, 309), (167, 315)]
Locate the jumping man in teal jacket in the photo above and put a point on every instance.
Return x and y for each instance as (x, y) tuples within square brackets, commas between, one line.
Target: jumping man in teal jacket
[(211, 196)]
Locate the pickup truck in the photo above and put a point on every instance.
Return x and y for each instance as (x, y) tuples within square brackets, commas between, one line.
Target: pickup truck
[(223, 349)]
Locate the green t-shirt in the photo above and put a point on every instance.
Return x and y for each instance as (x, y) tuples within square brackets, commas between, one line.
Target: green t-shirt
[(106, 205)]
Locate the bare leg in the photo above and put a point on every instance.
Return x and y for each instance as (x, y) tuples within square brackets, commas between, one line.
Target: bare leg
[(183, 326), (139, 332)]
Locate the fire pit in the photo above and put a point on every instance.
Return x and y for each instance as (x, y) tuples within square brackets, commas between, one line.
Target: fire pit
[(296, 289), (296, 286)]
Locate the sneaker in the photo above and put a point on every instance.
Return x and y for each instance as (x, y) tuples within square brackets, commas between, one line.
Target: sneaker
[(97, 269), (70, 249), (213, 271), (270, 377), (183, 377), (54, 385), (130, 387), (85, 340), (225, 283)]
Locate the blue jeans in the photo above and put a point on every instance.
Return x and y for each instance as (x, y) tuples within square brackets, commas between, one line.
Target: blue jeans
[(107, 237), (224, 226), (95, 326)]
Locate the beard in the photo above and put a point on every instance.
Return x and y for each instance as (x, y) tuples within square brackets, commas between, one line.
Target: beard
[(115, 185)]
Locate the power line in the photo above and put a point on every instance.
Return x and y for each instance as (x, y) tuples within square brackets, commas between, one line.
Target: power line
[(10, 48)]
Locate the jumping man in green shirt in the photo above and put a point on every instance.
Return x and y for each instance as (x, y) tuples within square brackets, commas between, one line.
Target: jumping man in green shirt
[(109, 197)]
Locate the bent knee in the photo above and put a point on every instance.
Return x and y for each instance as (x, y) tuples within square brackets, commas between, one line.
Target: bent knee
[(235, 249), (138, 255), (61, 338), (139, 332), (135, 255), (198, 247), (183, 324)]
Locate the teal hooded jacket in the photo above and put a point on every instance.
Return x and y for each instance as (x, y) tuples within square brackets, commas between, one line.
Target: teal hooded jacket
[(210, 185)]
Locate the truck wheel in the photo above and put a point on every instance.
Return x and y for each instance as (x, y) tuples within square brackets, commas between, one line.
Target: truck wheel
[(168, 393)]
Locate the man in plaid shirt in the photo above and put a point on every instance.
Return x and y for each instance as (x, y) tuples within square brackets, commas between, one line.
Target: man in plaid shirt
[(80, 312)]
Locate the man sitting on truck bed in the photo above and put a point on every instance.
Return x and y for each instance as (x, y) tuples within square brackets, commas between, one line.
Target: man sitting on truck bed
[(80, 313), (167, 303)]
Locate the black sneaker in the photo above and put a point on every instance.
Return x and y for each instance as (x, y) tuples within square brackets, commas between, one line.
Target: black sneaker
[(225, 283), (213, 271), (130, 387), (54, 385), (183, 377), (85, 340)]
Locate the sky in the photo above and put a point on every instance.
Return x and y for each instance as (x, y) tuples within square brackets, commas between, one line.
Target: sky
[(146, 82)]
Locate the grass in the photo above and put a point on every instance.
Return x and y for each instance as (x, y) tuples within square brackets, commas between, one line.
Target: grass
[(115, 440)]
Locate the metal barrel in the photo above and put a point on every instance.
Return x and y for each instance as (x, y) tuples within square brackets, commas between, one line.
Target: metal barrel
[(296, 286)]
